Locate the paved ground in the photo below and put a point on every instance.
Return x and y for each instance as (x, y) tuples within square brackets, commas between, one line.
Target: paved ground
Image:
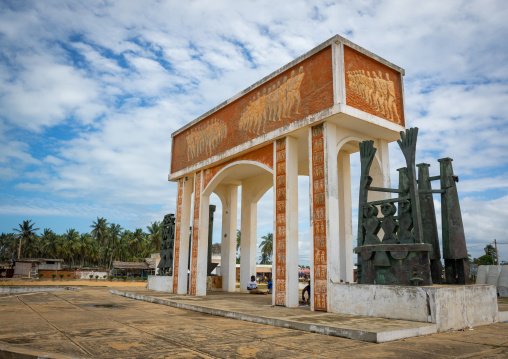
[(92, 323), (259, 309)]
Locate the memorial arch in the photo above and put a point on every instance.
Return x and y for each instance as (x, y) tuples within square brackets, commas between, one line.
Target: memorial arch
[(304, 119)]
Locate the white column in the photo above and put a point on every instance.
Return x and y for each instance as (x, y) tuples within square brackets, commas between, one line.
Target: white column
[(183, 252), (332, 209), (229, 197), (346, 241), (292, 296), (384, 157), (202, 262), (248, 246)]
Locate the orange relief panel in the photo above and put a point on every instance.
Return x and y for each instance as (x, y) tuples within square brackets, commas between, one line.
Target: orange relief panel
[(373, 87), (296, 93), (318, 219), (263, 155)]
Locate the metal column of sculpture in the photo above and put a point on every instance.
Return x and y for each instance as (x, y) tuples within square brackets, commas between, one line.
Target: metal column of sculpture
[(408, 253), (167, 243)]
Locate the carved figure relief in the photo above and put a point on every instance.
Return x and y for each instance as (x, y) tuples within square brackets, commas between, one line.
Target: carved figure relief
[(280, 238), (205, 138), (318, 220), (273, 103), (376, 90)]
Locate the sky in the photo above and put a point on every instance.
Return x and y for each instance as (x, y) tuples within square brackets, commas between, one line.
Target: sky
[(90, 92)]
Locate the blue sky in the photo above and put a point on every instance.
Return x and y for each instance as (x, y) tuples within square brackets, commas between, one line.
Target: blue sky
[(90, 92)]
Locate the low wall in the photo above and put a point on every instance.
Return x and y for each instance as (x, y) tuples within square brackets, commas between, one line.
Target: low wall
[(160, 283), (47, 273), (84, 274), (449, 307)]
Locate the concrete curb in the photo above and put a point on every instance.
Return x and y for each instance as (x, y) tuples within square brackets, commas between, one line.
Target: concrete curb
[(366, 336), (32, 288), (12, 352)]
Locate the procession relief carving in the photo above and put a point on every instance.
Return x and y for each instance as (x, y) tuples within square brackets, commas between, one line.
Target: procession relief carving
[(280, 213), (377, 90), (300, 91), (319, 220), (273, 103), (178, 226), (195, 232), (373, 87), (205, 138)]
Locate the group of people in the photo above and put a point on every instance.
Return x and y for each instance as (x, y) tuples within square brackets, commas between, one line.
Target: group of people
[(203, 139), (273, 103), (378, 92), (252, 287)]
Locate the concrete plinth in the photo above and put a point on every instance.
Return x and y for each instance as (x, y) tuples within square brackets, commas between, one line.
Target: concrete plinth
[(447, 306), (160, 283)]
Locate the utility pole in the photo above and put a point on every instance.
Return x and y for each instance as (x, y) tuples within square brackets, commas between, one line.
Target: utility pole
[(497, 257)]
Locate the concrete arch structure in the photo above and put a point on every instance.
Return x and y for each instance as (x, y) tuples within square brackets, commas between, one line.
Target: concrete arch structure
[(255, 178), (304, 119)]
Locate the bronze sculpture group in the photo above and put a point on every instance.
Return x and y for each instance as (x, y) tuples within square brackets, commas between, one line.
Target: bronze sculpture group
[(408, 252)]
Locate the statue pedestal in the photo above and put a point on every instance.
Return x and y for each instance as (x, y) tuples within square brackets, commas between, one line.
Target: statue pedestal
[(448, 306), (162, 283)]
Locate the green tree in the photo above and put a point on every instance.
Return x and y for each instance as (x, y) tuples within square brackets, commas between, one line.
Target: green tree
[(100, 234), (8, 246), (71, 240), (49, 244), (114, 241), (155, 235), (26, 233), (238, 244), (266, 248)]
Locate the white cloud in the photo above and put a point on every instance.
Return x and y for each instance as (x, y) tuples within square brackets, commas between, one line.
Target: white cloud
[(121, 76)]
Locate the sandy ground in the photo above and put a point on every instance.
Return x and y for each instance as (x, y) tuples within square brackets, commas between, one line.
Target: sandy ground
[(78, 282)]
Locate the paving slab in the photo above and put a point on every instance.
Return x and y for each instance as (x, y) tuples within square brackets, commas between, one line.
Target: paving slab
[(258, 309)]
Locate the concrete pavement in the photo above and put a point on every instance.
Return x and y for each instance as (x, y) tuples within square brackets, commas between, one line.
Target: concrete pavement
[(90, 322)]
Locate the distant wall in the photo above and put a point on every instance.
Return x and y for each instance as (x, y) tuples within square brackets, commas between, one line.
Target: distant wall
[(47, 274)]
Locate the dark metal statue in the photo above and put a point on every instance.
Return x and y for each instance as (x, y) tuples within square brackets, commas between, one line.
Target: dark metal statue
[(167, 245), (408, 253)]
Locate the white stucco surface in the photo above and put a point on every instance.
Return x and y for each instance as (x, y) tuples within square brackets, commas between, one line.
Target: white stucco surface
[(160, 283), (449, 307)]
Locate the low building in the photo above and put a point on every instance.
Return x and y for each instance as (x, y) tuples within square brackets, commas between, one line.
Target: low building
[(29, 267), (134, 269)]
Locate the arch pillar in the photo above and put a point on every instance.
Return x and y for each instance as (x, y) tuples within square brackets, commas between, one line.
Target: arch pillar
[(346, 240), (285, 246), (199, 251), (181, 249), (229, 198), (325, 247)]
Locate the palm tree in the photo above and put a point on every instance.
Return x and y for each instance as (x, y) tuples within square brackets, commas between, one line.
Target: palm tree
[(49, 244), (8, 246), (100, 234), (266, 248), (71, 239), (136, 242), (155, 235), (25, 232), (114, 243)]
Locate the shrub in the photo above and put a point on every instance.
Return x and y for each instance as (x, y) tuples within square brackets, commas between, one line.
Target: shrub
[(68, 275), (41, 275), (104, 277), (124, 277), (137, 278), (53, 275), (111, 277), (61, 276), (91, 276), (96, 277)]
